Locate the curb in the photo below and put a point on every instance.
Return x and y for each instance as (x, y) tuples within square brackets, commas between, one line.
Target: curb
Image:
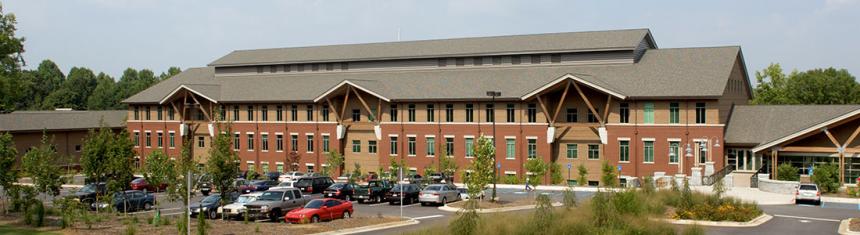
[(844, 228), (841, 200), (549, 187), (752, 223), (370, 228), (494, 210)]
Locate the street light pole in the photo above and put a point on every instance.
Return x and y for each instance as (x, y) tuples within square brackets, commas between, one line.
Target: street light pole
[(493, 95)]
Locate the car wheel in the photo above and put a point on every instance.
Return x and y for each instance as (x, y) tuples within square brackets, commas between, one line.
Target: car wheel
[(346, 215), (275, 215), (147, 206), (360, 201), (423, 204), (378, 199), (347, 198), (205, 193), (315, 219), (213, 214)]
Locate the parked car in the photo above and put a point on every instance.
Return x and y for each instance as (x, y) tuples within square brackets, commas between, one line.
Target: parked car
[(343, 191), (87, 194), (257, 186), (320, 209), (313, 184), (436, 177), (808, 192), (286, 184), (438, 194), (129, 200), (464, 193), (141, 184), (373, 190), (290, 176), (274, 203), (273, 175), (209, 205), (237, 208), (414, 179), (204, 184), (344, 177), (407, 192)]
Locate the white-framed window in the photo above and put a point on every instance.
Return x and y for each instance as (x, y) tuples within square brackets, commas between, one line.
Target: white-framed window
[(264, 142), (532, 147), (624, 150), (310, 143), (648, 151), (411, 146), (159, 139), (250, 141), (431, 145), (392, 150), (470, 146), (236, 141), (593, 152), (325, 143), (136, 137), (371, 146), (148, 140), (294, 142), (572, 151), (510, 148), (674, 151), (279, 142), (356, 146), (171, 139)]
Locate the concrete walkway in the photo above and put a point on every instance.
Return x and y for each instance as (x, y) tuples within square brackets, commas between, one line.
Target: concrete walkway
[(768, 198)]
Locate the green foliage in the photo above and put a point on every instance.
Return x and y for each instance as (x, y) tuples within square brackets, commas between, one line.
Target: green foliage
[(356, 173), (555, 173), (108, 155), (787, 172), (482, 167), (447, 165), (201, 224), (569, 198), (608, 177), (467, 220), (40, 164), (130, 226), (335, 161), (719, 188), (8, 156), (816, 86), (70, 211), (159, 169), (511, 179), (826, 176), (583, 175), (537, 167), (35, 215), (11, 60), (223, 164), (648, 186)]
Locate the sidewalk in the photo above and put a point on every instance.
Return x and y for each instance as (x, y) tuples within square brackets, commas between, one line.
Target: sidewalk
[(768, 198)]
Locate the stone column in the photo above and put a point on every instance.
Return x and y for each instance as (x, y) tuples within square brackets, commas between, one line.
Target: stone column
[(709, 168), (696, 176), (679, 180)]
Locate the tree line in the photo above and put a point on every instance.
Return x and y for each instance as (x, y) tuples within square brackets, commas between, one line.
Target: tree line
[(47, 87), (815, 86)]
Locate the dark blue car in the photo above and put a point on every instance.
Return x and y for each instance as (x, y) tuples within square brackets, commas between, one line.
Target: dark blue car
[(209, 205), (130, 200)]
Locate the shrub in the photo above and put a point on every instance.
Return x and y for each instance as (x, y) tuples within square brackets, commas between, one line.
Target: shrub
[(648, 186), (609, 178), (627, 202), (568, 198), (512, 179), (537, 167), (467, 222), (827, 177), (583, 175), (786, 172), (555, 173), (201, 224)]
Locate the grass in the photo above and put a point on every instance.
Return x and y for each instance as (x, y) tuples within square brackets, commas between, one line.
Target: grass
[(8, 230)]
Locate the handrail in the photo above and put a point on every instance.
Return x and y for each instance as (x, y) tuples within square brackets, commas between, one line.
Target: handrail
[(711, 179), (754, 178)]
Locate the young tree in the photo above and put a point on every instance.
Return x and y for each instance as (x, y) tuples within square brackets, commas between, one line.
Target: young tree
[(537, 167), (482, 168), (447, 165), (583, 175), (609, 178), (223, 164), (39, 164), (826, 176), (394, 168), (120, 155), (185, 167), (159, 169), (8, 155), (356, 173), (787, 172), (555, 173), (335, 161)]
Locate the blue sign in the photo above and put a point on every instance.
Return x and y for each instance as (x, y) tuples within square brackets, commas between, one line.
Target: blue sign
[(569, 166), (499, 165), (810, 170), (619, 167)]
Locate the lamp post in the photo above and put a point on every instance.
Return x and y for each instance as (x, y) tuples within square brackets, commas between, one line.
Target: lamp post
[(493, 95)]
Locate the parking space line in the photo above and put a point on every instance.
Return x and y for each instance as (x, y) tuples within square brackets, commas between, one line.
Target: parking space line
[(427, 217), (807, 218), (378, 204), (410, 205)]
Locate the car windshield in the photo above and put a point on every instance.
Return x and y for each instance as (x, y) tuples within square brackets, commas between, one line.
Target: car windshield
[(303, 182), (271, 196), (90, 188), (260, 183), (336, 186), (399, 187), (137, 181), (211, 199), (246, 199), (808, 187), (285, 184), (433, 188), (315, 204)]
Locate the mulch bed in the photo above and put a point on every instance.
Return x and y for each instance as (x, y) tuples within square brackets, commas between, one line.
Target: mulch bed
[(486, 204), (854, 224)]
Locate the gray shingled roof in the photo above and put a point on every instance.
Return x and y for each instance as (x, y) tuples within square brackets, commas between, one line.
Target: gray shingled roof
[(534, 43), (671, 73), (752, 125), (61, 120)]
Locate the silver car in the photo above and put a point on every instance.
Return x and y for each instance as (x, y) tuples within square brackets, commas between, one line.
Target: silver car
[(808, 192), (438, 194)]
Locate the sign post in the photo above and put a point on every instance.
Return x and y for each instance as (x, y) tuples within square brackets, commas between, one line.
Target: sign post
[(569, 166)]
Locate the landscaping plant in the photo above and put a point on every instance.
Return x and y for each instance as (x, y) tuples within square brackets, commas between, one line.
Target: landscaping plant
[(608, 178), (787, 172), (555, 173), (826, 176), (538, 168), (583, 175), (8, 157)]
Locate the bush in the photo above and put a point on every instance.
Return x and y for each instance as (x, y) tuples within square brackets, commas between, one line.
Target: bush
[(609, 179), (827, 177), (537, 167), (555, 173), (648, 186), (569, 198), (512, 179), (786, 172)]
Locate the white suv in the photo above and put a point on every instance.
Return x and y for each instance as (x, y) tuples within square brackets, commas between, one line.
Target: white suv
[(808, 192), (290, 176)]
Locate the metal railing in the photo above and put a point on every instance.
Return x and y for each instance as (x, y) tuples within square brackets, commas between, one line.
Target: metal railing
[(754, 178), (711, 179)]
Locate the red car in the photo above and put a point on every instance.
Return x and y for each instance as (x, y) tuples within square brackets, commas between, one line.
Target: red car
[(320, 209), (141, 184)]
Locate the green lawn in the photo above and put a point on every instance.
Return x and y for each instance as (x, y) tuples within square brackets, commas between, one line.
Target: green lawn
[(7, 230)]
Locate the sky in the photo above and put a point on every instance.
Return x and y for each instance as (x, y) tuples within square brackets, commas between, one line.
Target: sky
[(112, 35)]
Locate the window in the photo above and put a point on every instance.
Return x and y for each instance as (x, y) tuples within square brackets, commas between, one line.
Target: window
[(509, 111), (250, 142), (624, 113), (649, 113), (477, 61), (279, 113), (590, 116), (171, 139), (535, 59), (510, 148), (236, 142), (158, 113), (431, 113), (310, 112), (532, 148), (470, 114), (199, 115), (449, 112), (136, 113), (310, 169), (470, 147), (310, 143), (356, 115), (392, 113), (201, 141), (264, 142), (411, 112), (674, 113), (235, 113), (449, 146), (491, 116), (325, 144), (147, 113), (279, 167), (700, 113), (264, 112), (171, 114), (532, 113), (279, 142), (674, 151), (624, 150), (356, 146), (148, 139), (160, 139), (572, 151), (371, 146), (649, 151), (593, 151), (324, 112), (250, 112), (411, 146), (222, 113), (78, 148), (264, 167), (393, 148), (294, 143), (571, 115), (515, 59), (294, 113), (431, 146), (460, 61), (137, 139), (251, 167)]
